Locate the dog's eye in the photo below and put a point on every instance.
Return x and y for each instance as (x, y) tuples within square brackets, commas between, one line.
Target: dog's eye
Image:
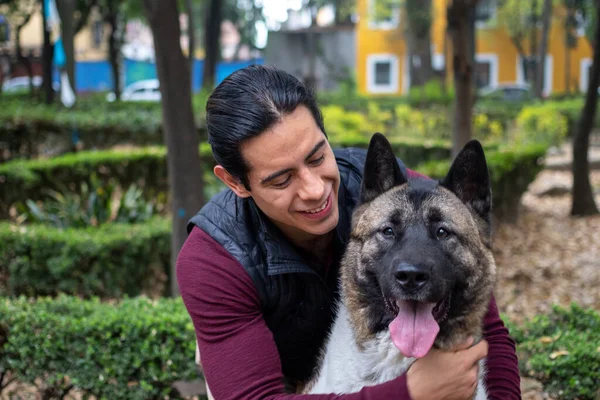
[(387, 231), (442, 233)]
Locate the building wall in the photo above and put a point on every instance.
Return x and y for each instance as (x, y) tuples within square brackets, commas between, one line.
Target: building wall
[(493, 45), (335, 60)]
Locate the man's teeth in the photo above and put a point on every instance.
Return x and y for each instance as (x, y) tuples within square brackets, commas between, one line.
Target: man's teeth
[(318, 209)]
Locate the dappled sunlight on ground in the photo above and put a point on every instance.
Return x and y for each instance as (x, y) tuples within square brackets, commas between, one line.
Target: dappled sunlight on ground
[(548, 257)]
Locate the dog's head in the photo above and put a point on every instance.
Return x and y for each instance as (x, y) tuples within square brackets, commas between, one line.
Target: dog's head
[(419, 261)]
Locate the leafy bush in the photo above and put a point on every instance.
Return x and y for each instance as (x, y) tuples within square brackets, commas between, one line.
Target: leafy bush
[(25, 179), (92, 205), (540, 124), (562, 350), (512, 169), (108, 261), (134, 349), (29, 129), (432, 92)]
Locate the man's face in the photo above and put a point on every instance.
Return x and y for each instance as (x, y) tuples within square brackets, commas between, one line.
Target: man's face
[(293, 176)]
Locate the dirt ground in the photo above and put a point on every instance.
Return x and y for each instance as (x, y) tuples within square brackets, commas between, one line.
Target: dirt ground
[(548, 257)]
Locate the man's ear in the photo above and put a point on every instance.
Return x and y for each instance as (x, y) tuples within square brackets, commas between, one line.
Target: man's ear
[(232, 182)]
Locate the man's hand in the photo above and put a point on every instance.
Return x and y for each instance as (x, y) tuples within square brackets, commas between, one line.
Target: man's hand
[(447, 375)]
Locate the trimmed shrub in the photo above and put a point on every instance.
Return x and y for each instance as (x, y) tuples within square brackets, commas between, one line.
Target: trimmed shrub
[(540, 124), (25, 179), (562, 350), (108, 261), (29, 129), (511, 169), (134, 349)]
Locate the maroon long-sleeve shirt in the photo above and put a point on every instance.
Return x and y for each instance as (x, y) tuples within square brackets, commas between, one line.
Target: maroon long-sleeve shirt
[(238, 353)]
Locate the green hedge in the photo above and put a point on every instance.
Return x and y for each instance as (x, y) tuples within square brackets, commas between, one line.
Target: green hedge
[(134, 349), (109, 261), (562, 350), (512, 169), (29, 129)]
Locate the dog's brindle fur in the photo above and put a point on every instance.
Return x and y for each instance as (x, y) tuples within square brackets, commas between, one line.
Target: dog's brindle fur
[(359, 351)]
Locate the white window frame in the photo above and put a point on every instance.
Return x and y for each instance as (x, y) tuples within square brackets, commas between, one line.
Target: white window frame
[(492, 59), (379, 25), (406, 74), (372, 59), (584, 78), (548, 71)]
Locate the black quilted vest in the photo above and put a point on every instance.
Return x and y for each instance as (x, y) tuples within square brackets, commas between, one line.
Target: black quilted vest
[(296, 295)]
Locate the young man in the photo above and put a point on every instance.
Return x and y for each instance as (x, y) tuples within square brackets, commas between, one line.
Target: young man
[(259, 271)]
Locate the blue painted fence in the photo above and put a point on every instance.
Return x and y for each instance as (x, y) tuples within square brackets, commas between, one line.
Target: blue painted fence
[(94, 76)]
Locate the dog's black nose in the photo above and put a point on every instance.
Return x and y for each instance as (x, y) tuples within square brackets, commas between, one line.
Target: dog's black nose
[(411, 277)]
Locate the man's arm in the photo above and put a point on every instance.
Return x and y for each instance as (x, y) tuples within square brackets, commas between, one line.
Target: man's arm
[(239, 356), (502, 379)]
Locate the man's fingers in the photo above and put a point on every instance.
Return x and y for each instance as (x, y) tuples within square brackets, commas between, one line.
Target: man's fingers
[(465, 345), (479, 351)]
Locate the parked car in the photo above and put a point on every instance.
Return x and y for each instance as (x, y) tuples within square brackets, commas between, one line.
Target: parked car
[(146, 90), (21, 84), (507, 92)]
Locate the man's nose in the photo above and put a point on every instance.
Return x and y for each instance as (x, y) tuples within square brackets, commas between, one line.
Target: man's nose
[(313, 187)]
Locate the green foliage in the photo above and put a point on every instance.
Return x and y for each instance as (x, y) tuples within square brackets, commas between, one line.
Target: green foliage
[(110, 260), (540, 124), (94, 204), (562, 350), (512, 169), (25, 179), (431, 92), (27, 127), (132, 349)]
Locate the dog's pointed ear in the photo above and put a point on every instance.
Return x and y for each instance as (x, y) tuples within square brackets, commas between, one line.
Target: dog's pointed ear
[(381, 171), (469, 179)]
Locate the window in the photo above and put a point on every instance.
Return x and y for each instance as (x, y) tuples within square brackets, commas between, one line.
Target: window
[(384, 14), (485, 12), (486, 70), (98, 32), (382, 73), (585, 66)]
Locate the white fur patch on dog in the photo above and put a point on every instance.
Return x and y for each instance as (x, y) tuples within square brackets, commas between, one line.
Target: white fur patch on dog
[(346, 368)]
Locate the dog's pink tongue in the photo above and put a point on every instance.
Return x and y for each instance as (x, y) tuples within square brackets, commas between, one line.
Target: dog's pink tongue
[(414, 329)]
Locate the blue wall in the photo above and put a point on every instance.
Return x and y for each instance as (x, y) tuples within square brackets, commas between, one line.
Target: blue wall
[(93, 76)]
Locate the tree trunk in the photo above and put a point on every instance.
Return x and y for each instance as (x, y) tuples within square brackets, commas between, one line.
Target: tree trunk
[(418, 35), (114, 50), (463, 65), (47, 55), (189, 9), (212, 43), (183, 161), (66, 9), (541, 64), (583, 196)]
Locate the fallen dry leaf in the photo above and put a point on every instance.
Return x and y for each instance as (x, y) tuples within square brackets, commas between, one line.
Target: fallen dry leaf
[(557, 354)]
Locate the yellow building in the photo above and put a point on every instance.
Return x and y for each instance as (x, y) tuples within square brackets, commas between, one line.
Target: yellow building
[(382, 62), (91, 42)]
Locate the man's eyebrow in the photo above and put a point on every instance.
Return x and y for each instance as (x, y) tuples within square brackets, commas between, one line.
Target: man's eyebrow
[(315, 149), (277, 174)]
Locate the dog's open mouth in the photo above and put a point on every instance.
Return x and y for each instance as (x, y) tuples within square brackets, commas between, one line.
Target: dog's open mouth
[(416, 324)]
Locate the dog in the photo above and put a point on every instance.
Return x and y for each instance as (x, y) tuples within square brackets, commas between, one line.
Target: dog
[(418, 271)]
